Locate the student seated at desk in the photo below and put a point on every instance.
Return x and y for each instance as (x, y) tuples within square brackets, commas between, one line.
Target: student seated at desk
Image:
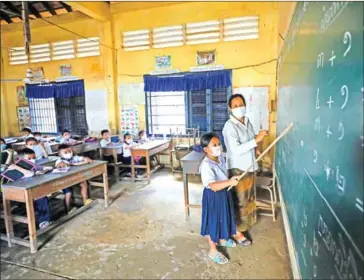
[(66, 138), (27, 132), (68, 159), (3, 145), (106, 142), (127, 145), (142, 137), (41, 205), (37, 147)]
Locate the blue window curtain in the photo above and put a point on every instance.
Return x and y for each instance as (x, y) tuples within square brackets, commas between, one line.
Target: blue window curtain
[(56, 90), (188, 81)]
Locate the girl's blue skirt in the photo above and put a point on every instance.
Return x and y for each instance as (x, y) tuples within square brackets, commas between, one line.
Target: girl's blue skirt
[(217, 215)]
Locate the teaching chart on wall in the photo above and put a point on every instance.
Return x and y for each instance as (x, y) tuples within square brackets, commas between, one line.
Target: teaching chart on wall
[(256, 99), (320, 162)]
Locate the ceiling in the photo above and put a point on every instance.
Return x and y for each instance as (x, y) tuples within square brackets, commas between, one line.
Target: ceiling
[(10, 11)]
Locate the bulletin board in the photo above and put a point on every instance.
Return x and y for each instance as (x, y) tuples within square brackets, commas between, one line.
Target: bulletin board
[(256, 105)]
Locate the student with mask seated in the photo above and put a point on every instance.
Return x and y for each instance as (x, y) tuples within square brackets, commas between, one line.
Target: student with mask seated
[(27, 132), (66, 138), (37, 147)]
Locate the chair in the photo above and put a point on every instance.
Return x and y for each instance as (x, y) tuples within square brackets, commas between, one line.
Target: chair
[(112, 152), (267, 181)]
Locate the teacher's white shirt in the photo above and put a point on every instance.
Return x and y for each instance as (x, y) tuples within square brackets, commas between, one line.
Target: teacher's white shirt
[(240, 142)]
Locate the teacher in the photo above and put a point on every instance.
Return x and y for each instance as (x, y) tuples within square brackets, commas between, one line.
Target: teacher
[(241, 143)]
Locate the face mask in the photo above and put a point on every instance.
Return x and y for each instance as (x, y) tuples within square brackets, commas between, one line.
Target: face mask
[(3, 147), (239, 112), (144, 137), (38, 138), (67, 156), (128, 141), (67, 137), (32, 160), (216, 151)]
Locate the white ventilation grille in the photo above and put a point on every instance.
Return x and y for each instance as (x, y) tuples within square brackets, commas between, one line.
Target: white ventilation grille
[(40, 53), (169, 36), (63, 50), (136, 40), (17, 56), (88, 47), (242, 28), (203, 32)]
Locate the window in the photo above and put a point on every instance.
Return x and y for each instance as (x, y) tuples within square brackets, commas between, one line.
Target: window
[(43, 115), (165, 111), (205, 109)]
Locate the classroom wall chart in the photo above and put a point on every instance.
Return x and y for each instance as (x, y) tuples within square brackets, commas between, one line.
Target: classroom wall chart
[(129, 119)]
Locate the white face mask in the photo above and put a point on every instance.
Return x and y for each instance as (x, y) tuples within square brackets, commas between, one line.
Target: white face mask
[(32, 160), (239, 112), (67, 156), (128, 141), (216, 151), (38, 138), (144, 137)]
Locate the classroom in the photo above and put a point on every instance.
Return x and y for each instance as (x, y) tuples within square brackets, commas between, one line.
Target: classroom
[(182, 140)]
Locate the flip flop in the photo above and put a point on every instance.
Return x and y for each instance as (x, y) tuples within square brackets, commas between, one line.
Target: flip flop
[(219, 258), (88, 201), (229, 244), (245, 242)]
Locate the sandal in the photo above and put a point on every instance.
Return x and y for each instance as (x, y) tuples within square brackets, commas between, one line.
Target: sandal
[(229, 244), (245, 242), (88, 201), (219, 258)]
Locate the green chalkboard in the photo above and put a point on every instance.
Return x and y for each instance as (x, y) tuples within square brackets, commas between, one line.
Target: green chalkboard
[(320, 162)]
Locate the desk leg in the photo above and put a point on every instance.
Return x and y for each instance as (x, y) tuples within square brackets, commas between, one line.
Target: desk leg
[(8, 220), (106, 187), (31, 222), (187, 200), (132, 168), (148, 167)]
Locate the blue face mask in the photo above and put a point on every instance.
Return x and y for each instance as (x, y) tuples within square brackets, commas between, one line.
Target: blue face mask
[(3, 147)]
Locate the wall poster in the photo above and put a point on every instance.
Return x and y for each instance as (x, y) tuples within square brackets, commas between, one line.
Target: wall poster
[(205, 58), (163, 62), (129, 119), (23, 117), (22, 99)]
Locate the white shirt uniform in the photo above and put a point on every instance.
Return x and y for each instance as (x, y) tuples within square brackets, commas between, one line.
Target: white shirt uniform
[(105, 143), (38, 150), (240, 143), (212, 171), (127, 152), (69, 141)]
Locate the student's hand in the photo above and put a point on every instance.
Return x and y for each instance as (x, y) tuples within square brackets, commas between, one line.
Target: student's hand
[(234, 181), (12, 167), (260, 136), (257, 152), (87, 160), (62, 164)]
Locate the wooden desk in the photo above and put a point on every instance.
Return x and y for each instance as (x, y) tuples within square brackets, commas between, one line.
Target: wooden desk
[(190, 166), (28, 190), (85, 147), (147, 150), (18, 146)]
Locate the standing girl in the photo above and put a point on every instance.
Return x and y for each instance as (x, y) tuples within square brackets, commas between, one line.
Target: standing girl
[(218, 222)]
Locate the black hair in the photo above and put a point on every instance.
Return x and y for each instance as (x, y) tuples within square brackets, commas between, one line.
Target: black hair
[(25, 129), (63, 147), (30, 139), (236, 96), (206, 139), (65, 131), (27, 151), (127, 134), (141, 132), (104, 131), (37, 133), (2, 139)]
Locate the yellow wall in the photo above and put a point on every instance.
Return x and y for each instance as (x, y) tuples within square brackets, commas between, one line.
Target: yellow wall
[(90, 69), (230, 54), (98, 71)]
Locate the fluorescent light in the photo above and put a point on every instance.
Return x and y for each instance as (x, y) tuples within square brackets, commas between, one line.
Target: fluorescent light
[(166, 45), (242, 37), (136, 48), (202, 41)]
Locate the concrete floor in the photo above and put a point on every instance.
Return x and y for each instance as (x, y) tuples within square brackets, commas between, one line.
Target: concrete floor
[(144, 234)]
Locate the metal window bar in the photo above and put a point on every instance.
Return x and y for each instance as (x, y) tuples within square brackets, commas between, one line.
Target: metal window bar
[(42, 114)]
